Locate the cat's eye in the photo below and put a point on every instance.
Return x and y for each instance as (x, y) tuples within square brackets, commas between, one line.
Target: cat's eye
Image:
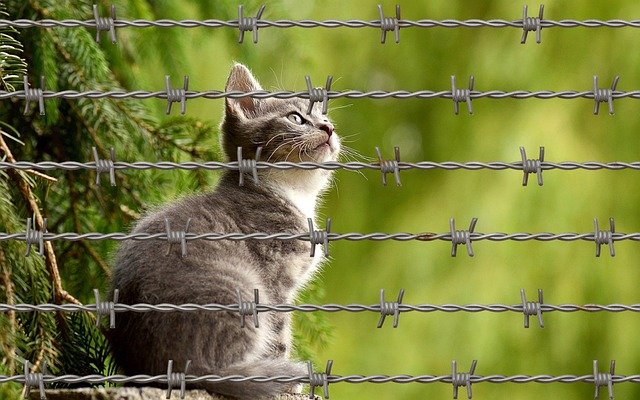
[(296, 118)]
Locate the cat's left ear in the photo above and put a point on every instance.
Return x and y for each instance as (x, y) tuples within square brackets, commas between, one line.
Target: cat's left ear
[(242, 80)]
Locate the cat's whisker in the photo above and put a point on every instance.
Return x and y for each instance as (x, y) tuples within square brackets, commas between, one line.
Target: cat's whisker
[(347, 138), (348, 154), (284, 135), (284, 143), (339, 107), (295, 146), (353, 155)]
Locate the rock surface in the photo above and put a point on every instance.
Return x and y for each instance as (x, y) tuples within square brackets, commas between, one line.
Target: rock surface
[(144, 393)]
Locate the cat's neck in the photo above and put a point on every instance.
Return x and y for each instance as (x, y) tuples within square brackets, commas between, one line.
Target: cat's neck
[(301, 188)]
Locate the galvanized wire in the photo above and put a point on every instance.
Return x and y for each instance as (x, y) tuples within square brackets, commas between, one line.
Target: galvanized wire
[(146, 379), (331, 23), (350, 94), (351, 236), (307, 165), (353, 308)]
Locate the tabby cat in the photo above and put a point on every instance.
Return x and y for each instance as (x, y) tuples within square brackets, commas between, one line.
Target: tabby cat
[(152, 271)]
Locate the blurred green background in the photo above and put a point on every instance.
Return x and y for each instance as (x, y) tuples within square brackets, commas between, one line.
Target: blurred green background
[(568, 272)]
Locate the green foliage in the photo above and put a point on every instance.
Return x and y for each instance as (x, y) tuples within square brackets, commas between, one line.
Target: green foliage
[(22, 280), (86, 350), (12, 66), (71, 59)]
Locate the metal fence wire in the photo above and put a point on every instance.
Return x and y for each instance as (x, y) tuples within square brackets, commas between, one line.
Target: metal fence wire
[(322, 95), (33, 237), (385, 24)]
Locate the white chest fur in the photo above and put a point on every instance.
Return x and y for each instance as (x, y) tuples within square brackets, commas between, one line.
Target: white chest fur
[(301, 188)]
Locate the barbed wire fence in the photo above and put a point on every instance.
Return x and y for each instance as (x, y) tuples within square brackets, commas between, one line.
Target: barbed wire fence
[(32, 236)]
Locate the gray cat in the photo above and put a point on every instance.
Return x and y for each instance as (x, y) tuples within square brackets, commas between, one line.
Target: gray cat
[(155, 272)]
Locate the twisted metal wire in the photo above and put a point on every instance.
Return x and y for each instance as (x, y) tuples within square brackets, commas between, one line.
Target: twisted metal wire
[(350, 94), (354, 308), (145, 379), (331, 165), (331, 23), (351, 236)]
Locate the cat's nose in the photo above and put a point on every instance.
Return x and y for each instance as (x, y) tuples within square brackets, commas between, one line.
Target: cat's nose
[(327, 127)]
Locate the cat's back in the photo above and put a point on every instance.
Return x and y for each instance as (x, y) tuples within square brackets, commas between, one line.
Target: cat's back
[(157, 263)]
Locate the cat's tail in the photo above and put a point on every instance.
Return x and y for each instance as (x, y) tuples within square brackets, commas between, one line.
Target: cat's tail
[(254, 390)]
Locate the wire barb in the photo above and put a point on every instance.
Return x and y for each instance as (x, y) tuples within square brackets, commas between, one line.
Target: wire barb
[(531, 166), (462, 378), (106, 308), (459, 237), (319, 379), (390, 308), (249, 23), (604, 237), (317, 237), (31, 94), (531, 24), (35, 236), (389, 24), (32, 379), (105, 166), (603, 378), (318, 94), (105, 23), (246, 166), (602, 95), (249, 308), (177, 237), (175, 95), (532, 308), (176, 379), (461, 95), (389, 166)]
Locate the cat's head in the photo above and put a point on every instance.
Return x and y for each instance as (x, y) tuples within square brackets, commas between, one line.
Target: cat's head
[(280, 126)]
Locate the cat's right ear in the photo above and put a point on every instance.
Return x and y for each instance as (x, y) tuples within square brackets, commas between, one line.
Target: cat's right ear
[(242, 80)]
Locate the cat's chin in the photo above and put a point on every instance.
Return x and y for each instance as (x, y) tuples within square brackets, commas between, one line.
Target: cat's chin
[(325, 152)]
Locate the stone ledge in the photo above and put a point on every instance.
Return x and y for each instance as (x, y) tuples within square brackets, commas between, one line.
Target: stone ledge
[(143, 393)]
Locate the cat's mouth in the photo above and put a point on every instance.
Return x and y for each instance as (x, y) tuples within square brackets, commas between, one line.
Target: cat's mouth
[(318, 147), (331, 145), (328, 141)]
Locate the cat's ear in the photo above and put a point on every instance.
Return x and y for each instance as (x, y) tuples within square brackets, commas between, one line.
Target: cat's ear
[(241, 79)]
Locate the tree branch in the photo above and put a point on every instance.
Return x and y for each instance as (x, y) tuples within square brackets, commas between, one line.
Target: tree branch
[(9, 343), (59, 294), (76, 223)]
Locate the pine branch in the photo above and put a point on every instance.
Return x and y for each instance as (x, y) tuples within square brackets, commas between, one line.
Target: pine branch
[(78, 228), (50, 258), (12, 66), (8, 343)]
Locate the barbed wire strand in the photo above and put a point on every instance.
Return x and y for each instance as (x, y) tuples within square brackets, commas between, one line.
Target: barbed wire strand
[(351, 236), (331, 23), (353, 308), (145, 379), (332, 165), (349, 94)]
